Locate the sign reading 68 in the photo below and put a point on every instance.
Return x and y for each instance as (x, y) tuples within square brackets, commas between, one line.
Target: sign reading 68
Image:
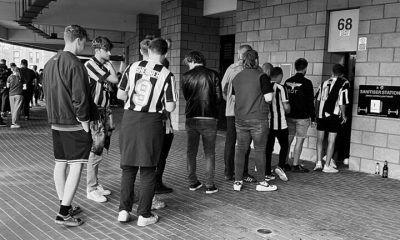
[(142, 92)]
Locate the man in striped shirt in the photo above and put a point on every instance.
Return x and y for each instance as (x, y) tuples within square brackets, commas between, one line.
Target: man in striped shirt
[(101, 75), (148, 89), (332, 98), (278, 126)]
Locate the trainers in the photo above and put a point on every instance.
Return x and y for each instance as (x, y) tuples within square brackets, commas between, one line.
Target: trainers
[(102, 191), (333, 164), (281, 174), (318, 166), (211, 190), (237, 185), (96, 196), (195, 186), (287, 167), (346, 161), (15, 126), (74, 210), (68, 221), (329, 169), (142, 221), (269, 177), (248, 178), (124, 216), (157, 204), (300, 169), (162, 189), (265, 187)]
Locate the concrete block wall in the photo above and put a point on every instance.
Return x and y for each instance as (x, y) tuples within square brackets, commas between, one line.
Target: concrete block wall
[(227, 23), (183, 22)]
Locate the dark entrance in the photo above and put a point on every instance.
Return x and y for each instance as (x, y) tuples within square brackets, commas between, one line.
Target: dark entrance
[(227, 57)]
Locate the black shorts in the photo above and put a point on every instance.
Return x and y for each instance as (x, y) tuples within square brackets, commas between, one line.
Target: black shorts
[(71, 146), (329, 124)]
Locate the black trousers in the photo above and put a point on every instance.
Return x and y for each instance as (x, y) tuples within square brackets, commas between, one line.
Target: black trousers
[(146, 189), (4, 100), (283, 138), (229, 155), (168, 138), (28, 94)]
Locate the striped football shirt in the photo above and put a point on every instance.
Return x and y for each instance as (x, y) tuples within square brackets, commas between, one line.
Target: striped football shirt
[(149, 85), (99, 86), (280, 96), (323, 93)]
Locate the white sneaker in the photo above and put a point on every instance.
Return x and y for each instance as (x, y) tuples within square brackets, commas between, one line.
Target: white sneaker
[(124, 216), (15, 126), (157, 204), (333, 164), (265, 187), (96, 196), (329, 169), (237, 185), (102, 191), (318, 166), (282, 175), (147, 221), (346, 161)]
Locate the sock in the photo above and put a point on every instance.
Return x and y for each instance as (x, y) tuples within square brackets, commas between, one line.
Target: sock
[(64, 210)]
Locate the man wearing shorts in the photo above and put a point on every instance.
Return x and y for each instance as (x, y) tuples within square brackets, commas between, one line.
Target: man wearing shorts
[(332, 98), (69, 106), (301, 100), (147, 88)]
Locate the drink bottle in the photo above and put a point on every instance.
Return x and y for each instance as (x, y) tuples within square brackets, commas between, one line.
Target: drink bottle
[(385, 170), (377, 169)]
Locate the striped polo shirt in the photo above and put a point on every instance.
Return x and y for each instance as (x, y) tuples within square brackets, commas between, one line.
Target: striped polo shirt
[(278, 119), (99, 86), (323, 93), (149, 85)]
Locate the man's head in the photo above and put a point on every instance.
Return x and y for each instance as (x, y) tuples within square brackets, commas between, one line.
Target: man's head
[(13, 67), (242, 49), (301, 65), (158, 47), (24, 63), (3, 61), (267, 67), (194, 58), (250, 59), (144, 48), (102, 48), (338, 70), (276, 74), (75, 37)]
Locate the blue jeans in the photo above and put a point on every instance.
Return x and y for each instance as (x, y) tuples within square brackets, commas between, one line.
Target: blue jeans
[(207, 129), (247, 130)]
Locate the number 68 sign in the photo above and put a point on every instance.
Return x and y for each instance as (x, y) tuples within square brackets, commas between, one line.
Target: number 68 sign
[(343, 31)]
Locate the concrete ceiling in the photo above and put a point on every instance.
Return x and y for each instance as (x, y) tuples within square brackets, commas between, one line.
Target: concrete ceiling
[(116, 15)]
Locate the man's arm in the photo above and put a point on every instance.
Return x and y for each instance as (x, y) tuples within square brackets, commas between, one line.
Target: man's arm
[(309, 90), (112, 78), (123, 87), (218, 90), (344, 101), (225, 82), (80, 92), (170, 93), (266, 87)]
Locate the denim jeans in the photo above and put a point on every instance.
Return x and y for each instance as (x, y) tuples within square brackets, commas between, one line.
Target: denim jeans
[(92, 171), (207, 129), (247, 130), (229, 154)]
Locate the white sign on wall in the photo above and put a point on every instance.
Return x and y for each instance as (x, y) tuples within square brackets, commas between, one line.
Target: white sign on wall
[(343, 31)]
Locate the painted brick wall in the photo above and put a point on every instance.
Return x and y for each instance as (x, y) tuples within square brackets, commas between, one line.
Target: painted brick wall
[(183, 22)]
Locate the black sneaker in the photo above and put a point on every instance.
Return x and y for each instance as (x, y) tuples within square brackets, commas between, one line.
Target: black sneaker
[(68, 221), (195, 186), (162, 189), (300, 169), (74, 210), (287, 167), (211, 190)]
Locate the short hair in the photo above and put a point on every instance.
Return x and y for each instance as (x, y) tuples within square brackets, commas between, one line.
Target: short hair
[(102, 43), (276, 71), (268, 66), (165, 63), (13, 64), (244, 48), (24, 62), (338, 70), (3, 60), (250, 58), (73, 32), (195, 57), (159, 46), (300, 64), (144, 46)]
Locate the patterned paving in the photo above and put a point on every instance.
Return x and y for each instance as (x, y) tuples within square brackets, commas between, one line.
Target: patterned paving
[(310, 206)]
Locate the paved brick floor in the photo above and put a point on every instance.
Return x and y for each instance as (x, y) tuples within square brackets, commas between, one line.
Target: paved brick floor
[(310, 206)]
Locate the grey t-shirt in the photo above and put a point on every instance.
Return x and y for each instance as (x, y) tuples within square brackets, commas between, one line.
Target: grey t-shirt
[(15, 85)]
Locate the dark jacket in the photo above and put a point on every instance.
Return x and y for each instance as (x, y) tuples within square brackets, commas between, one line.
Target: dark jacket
[(67, 91), (4, 74), (201, 88), (301, 97), (28, 77)]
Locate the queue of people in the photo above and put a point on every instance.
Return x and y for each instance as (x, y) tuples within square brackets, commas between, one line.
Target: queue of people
[(259, 109)]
